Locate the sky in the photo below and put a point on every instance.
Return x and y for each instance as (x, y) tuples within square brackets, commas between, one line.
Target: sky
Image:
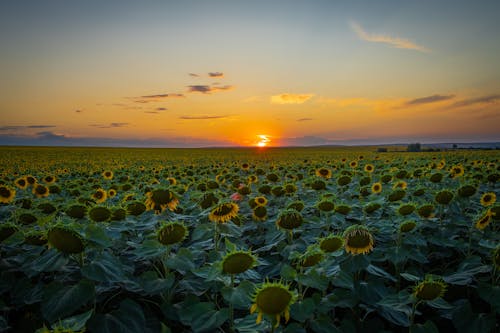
[(248, 73)]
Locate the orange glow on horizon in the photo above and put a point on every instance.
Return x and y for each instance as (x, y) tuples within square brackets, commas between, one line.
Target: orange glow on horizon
[(264, 140)]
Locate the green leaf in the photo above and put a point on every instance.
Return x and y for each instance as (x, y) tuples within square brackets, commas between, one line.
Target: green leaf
[(288, 272), (344, 280), (466, 271), (440, 303), (466, 321), (314, 279), (490, 294), (241, 296), (410, 277), (303, 310), (95, 233), (75, 323), (428, 327), (182, 262), (377, 271), (152, 284), (129, 318), (60, 303), (50, 261), (105, 268), (324, 325)]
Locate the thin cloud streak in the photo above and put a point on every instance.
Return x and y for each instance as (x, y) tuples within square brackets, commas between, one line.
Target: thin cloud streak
[(16, 128), (205, 89), (201, 117), (397, 42), (489, 99), (429, 99), (290, 98), (216, 74)]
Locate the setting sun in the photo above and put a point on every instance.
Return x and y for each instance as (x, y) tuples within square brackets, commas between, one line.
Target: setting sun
[(264, 140)]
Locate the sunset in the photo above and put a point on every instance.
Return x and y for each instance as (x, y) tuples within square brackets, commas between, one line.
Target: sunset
[(196, 73), (231, 166)]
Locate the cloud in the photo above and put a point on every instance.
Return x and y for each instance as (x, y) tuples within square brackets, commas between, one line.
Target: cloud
[(204, 89), (193, 75), (161, 109), (17, 128), (201, 117), (216, 74), (429, 99), (290, 98), (489, 99), (155, 98), (78, 110), (304, 119), (111, 125), (396, 42)]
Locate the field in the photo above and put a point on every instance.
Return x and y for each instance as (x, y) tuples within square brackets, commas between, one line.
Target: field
[(248, 240)]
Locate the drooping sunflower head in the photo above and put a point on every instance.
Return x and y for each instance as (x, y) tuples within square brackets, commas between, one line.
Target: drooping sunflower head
[(331, 243), (238, 261), (358, 240), (7, 230), (344, 180), (407, 226), (161, 199), (259, 213), (100, 195), (436, 177), (172, 233), (318, 185), (444, 197), (343, 209), (7, 194), (118, 214), (396, 195), (46, 208), (372, 207), (274, 300), (376, 188), (324, 173), (21, 183), (99, 214), (41, 191), (484, 220), (406, 209), (297, 205), (107, 175), (488, 199), (290, 188), (136, 208), (35, 237), (430, 289), (289, 219), (466, 191), (65, 239), (312, 256), (326, 205), (76, 211), (426, 211), (223, 212)]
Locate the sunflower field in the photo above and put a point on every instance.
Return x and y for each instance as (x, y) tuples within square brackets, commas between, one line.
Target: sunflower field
[(248, 240)]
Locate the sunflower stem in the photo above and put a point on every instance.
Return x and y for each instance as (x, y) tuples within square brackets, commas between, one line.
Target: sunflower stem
[(412, 316), (231, 308), (216, 237)]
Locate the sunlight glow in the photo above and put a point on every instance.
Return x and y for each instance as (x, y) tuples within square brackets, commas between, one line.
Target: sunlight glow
[(264, 140)]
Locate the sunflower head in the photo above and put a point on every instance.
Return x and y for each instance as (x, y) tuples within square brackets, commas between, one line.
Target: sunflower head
[(161, 199), (407, 226), (324, 173), (31, 180), (289, 219), (244, 190), (318, 185), (41, 191), (426, 211), (396, 195), (208, 199), (238, 261), (344, 180), (290, 188), (100, 195), (76, 211), (27, 218), (46, 208), (136, 208), (118, 214), (7, 230), (331, 243), (65, 239), (297, 205), (108, 175), (406, 209), (436, 177), (376, 188), (171, 180), (312, 256), (372, 207), (326, 205), (369, 168), (259, 213), (274, 300), (430, 289), (466, 191), (444, 197), (35, 238), (260, 201), (7, 194), (484, 220), (49, 179), (99, 214), (343, 209), (488, 199), (223, 212), (172, 233), (112, 193), (358, 240), (21, 183), (457, 171)]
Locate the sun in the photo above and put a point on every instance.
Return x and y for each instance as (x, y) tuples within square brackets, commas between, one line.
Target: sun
[(263, 140)]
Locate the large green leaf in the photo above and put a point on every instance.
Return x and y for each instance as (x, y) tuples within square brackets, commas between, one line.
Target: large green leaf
[(129, 318)]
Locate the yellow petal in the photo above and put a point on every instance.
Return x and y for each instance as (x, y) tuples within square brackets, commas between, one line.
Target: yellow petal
[(253, 308), (259, 318), (287, 315), (278, 318)]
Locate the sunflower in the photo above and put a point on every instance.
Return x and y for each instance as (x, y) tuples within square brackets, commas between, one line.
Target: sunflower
[(353, 164), (7, 194), (107, 175), (49, 180), (325, 205), (369, 168), (160, 199), (273, 299), (31, 180), (99, 214), (237, 261), (467, 191), (488, 199), (343, 209), (260, 201), (426, 211), (172, 233), (7, 230), (259, 213), (112, 193), (99, 195), (406, 209), (297, 205), (289, 219), (376, 188), (21, 183), (444, 197), (457, 171), (172, 180), (223, 212), (312, 256), (358, 240), (429, 289), (324, 173), (252, 179), (65, 240), (407, 226), (331, 243), (400, 185), (344, 180), (484, 220), (41, 191)]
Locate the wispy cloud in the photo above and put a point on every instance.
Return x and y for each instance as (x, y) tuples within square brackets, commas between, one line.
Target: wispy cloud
[(79, 110), (161, 109), (201, 117), (397, 42), (205, 89), (429, 99), (193, 75), (489, 99), (155, 98), (290, 98), (110, 125), (216, 74), (304, 119), (16, 128)]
